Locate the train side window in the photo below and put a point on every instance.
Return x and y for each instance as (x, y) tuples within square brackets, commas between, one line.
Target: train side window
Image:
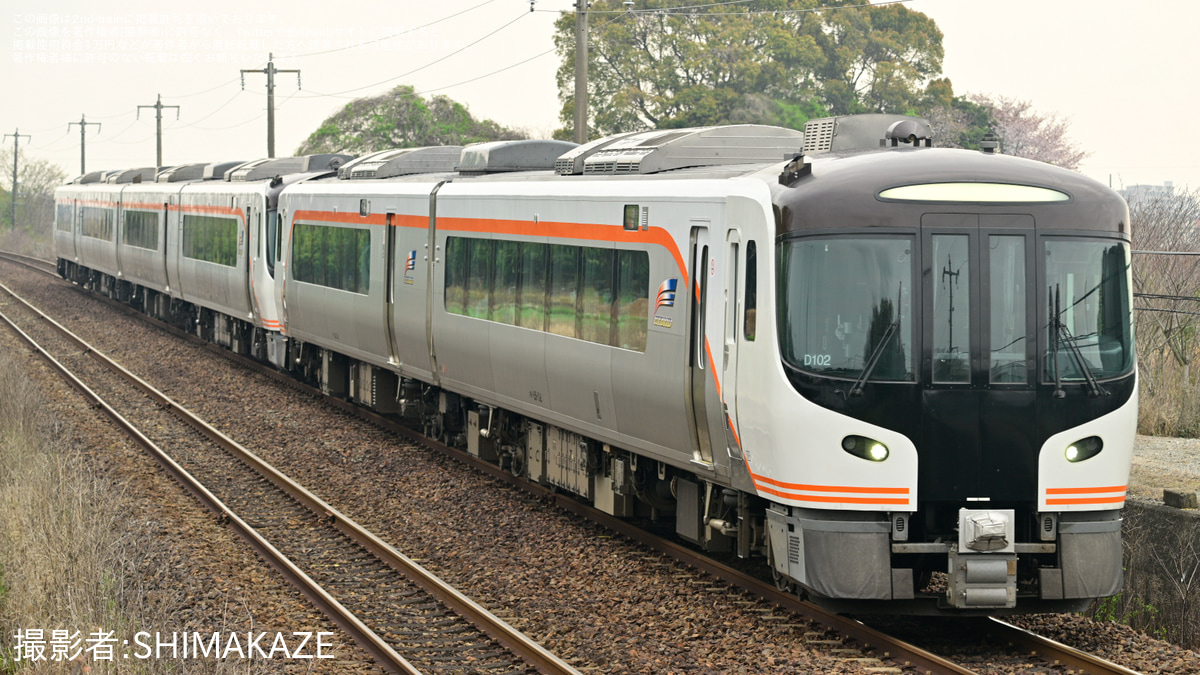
[(564, 289), (596, 316), (633, 299), (62, 221), (272, 246), (479, 278), (504, 290), (456, 275), (210, 239), (534, 271), (141, 229), (278, 237), (751, 302)]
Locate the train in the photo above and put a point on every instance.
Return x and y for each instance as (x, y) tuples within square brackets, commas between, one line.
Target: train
[(902, 376)]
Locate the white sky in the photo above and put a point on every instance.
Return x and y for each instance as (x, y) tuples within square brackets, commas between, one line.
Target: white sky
[(1121, 73)]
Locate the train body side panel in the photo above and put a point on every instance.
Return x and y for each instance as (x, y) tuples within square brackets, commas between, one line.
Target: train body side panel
[(213, 285), (98, 252)]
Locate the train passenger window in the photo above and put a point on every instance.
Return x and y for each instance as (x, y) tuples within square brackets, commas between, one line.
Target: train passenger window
[(210, 239), (951, 309), (633, 299), (456, 275), (141, 229), (334, 257), (751, 301), (479, 277), (1006, 284), (508, 274), (62, 218), (596, 303), (532, 301), (564, 289), (97, 222)]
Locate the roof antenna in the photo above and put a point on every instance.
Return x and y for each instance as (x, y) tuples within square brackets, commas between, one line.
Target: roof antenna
[(989, 143)]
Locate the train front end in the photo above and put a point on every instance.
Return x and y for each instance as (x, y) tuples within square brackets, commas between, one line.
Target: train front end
[(954, 331)]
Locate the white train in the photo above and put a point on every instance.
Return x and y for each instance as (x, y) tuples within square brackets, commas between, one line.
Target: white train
[(904, 375)]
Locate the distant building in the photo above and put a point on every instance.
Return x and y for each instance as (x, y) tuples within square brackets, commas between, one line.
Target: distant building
[(1148, 192)]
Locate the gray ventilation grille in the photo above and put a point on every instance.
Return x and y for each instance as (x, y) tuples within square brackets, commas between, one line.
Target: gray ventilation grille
[(262, 169), (502, 156), (143, 175), (818, 135), (185, 172), (402, 162), (663, 150), (864, 132)]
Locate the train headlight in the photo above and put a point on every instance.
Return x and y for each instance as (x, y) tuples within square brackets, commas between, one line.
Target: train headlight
[(1084, 449), (866, 448)]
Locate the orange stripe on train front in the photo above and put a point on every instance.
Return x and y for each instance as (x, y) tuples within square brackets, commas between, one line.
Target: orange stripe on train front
[(1085, 490), (833, 499), (833, 488), (1089, 500)]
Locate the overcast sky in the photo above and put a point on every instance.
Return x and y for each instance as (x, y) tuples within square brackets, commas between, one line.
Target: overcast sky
[(1121, 73)]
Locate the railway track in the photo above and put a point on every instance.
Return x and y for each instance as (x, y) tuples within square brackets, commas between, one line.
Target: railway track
[(406, 618), (1037, 649)]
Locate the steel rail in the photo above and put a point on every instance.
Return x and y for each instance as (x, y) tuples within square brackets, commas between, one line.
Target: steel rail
[(519, 644), (1056, 653), (900, 652)]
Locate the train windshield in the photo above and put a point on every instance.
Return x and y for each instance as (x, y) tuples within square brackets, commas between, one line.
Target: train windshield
[(845, 303), (1088, 308)]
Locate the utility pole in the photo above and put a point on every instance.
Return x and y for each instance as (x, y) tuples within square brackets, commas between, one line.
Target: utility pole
[(83, 141), (270, 71), (158, 108), (581, 67), (16, 134)]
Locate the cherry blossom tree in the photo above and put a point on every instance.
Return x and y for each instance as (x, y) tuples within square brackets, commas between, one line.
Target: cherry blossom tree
[(1025, 132)]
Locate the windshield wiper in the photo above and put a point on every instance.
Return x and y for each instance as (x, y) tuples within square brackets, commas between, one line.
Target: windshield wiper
[(1063, 335), (876, 354)]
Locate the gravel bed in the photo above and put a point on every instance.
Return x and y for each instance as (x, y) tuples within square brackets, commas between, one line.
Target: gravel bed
[(594, 599), (1160, 462), (197, 575)]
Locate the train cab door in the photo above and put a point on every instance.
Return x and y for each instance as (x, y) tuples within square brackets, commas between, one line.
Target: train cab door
[(978, 391), (697, 354)]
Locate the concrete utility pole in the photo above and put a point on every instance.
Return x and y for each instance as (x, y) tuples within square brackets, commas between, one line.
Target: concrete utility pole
[(270, 71), (581, 67), (16, 134), (83, 141), (158, 108)]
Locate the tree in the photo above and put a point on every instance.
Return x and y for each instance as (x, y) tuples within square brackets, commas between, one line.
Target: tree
[(780, 63), (1024, 132), (36, 181), (401, 119)]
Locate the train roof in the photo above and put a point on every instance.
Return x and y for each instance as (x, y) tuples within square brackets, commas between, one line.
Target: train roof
[(828, 191)]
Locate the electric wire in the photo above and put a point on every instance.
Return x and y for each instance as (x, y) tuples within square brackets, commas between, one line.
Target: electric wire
[(339, 94), (388, 37)]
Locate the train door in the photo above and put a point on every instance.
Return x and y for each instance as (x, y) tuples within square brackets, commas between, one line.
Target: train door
[(729, 351), (164, 228), (389, 267), (698, 365), (977, 328)]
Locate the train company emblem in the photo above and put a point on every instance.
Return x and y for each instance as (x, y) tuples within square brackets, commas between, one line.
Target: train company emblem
[(410, 266), (666, 298)]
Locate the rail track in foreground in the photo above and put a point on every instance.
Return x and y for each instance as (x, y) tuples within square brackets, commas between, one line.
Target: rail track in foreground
[(430, 626), (899, 652)]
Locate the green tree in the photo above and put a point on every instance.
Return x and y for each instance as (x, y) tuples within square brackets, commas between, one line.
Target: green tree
[(401, 118), (779, 63)]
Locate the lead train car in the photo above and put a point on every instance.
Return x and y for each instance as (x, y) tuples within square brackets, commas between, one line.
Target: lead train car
[(904, 375)]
